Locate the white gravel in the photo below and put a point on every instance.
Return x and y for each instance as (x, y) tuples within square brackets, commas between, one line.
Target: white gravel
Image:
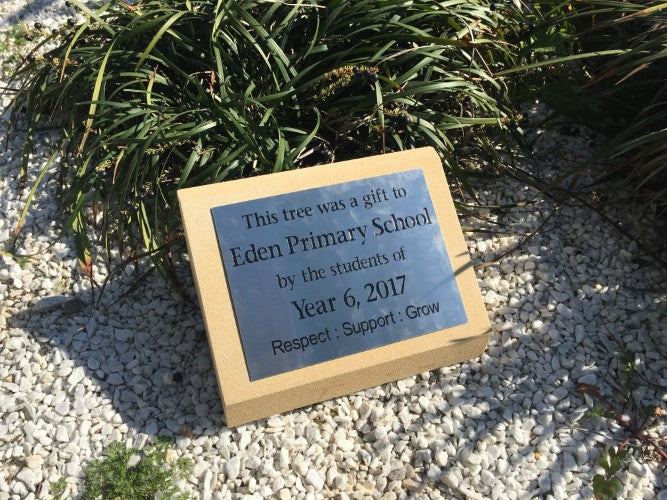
[(75, 376)]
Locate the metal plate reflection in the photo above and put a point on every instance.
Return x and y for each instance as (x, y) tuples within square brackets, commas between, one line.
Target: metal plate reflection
[(327, 272)]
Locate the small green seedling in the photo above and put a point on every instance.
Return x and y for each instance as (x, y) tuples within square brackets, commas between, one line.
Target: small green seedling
[(151, 476), (58, 488), (606, 486)]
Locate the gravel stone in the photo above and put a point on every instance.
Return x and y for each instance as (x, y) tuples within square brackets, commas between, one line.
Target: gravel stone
[(233, 468), (34, 462), (76, 376), (50, 303), (79, 370), (27, 477), (314, 479), (199, 469), (345, 445), (487, 478), (62, 408)]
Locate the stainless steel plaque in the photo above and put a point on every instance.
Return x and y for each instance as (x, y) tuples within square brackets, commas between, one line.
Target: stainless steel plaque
[(327, 272)]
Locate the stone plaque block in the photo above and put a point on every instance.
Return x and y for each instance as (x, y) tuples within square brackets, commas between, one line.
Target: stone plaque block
[(319, 282)]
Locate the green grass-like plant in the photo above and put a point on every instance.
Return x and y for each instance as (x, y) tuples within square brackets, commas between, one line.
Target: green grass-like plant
[(156, 95), (114, 478), (606, 68)]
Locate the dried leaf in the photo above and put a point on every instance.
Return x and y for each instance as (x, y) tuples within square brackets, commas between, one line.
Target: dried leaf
[(186, 432), (589, 389)]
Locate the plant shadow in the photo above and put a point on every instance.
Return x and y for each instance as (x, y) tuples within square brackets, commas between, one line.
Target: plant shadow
[(146, 359), (156, 374), (138, 359)]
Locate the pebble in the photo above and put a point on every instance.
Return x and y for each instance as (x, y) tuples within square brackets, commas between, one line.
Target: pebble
[(151, 428), (487, 478), (283, 458), (314, 479), (544, 482), (637, 468), (50, 303), (278, 483), (345, 445), (29, 430), (115, 379), (91, 326), (397, 474), (233, 468), (34, 461), (244, 440), (441, 458), (199, 469), (74, 469), (450, 479), (433, 472), (470, 458), (202, 410), (76, 376), (122, 334), (590, 378), (27, 477), (582, 455), (62, 435), (14, 343), (62, 408)]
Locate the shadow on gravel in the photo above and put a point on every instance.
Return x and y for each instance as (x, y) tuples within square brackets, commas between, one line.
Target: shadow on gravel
[(479, 447), (144, 361), (28, 8), (146, 358), (155, 371)]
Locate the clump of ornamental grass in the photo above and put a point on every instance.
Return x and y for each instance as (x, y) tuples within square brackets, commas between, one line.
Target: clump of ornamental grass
[(154, 96), (603, 64)]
